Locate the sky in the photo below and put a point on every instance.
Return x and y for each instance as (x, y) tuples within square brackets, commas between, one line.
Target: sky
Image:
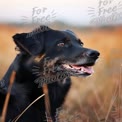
[(76, 12)]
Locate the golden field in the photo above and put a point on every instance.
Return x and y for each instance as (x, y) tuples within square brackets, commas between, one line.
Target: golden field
[(94, 99)]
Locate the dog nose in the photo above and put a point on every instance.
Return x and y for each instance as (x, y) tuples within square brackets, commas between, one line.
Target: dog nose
[(92, 53)]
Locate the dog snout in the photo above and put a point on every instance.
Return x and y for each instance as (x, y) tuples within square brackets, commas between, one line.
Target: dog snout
[(92, 54)]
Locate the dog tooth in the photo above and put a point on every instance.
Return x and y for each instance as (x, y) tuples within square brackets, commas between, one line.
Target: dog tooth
[(82, 69)]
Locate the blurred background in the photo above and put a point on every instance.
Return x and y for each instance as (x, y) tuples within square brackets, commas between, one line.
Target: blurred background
[(98, 23)]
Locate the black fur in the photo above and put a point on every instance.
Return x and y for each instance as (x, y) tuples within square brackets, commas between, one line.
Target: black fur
[(61, 47)]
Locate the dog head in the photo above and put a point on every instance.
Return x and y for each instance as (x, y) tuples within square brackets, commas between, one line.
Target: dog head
[(57, 51)]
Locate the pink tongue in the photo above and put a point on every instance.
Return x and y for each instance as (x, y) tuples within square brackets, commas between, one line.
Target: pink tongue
[(88, 69)]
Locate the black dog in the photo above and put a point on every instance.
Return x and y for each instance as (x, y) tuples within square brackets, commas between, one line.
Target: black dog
[(46, 56)]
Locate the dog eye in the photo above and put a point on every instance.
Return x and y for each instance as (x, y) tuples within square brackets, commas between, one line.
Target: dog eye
[(61, 44)]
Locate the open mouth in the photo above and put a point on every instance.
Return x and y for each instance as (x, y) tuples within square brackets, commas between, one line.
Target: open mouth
[(79, 69)]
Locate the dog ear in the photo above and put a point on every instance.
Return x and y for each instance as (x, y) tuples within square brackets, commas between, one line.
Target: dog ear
[(29, 44)]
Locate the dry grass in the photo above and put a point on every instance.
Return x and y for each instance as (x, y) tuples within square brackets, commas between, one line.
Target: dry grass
[(94, 99)]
